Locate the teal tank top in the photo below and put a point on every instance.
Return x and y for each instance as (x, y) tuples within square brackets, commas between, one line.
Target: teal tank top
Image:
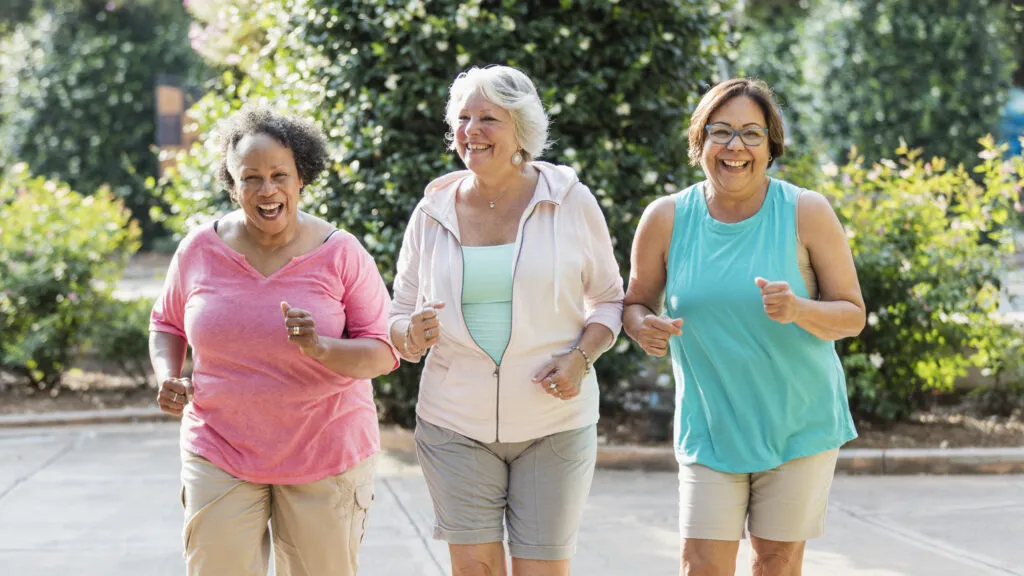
[(751, 393), (487, 296)]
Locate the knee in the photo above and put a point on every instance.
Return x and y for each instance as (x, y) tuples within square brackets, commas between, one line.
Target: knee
[(701, 563), (474, 567), (777, 561)]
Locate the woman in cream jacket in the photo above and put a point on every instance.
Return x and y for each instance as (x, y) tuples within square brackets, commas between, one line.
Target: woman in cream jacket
[(507, 276)]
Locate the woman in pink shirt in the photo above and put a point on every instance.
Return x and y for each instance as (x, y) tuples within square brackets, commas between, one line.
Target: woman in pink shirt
[(286, 317)]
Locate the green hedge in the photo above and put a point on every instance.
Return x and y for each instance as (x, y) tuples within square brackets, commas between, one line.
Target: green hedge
[(60, 256), (931, 247)]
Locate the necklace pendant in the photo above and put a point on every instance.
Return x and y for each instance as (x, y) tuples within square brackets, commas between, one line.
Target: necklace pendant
[(490, 203)]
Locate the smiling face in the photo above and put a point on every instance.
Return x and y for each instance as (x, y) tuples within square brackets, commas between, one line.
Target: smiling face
[(485, 136), (267, 183), (736, 168)]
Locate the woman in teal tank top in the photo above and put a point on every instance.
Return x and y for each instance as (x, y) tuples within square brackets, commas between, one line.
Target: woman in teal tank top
[(758, 282)]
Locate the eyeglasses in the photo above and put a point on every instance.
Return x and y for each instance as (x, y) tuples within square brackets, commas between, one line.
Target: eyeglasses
[(723, 134)]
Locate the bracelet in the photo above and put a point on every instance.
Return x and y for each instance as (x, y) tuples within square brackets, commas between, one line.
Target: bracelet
[(586, 357), (408, 339)]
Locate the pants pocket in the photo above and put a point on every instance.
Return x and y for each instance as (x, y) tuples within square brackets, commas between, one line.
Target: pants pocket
[(363, 500)]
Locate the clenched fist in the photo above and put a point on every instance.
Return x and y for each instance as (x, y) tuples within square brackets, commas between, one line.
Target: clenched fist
[(780, 302), (655, 331)]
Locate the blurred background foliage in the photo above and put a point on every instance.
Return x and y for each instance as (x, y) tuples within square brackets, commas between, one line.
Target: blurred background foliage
[(77, 100), (917, 82)]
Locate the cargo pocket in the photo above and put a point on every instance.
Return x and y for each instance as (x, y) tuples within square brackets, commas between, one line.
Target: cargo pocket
[(363, 500)]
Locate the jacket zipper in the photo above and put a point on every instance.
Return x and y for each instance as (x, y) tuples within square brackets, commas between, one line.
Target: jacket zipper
[(521, 238), (520, 234)]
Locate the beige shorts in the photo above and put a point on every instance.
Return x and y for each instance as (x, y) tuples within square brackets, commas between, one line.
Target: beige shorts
[(536, 489), (317, 527), (786, 504)]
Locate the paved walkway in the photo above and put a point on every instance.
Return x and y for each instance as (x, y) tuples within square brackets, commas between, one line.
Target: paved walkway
[(102, 500)]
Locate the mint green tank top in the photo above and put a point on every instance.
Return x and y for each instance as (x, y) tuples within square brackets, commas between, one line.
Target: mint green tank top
[(487, 296), (751, 393)]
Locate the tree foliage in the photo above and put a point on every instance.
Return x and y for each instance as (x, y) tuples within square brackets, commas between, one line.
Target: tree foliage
[(77, 98), (866, 73)]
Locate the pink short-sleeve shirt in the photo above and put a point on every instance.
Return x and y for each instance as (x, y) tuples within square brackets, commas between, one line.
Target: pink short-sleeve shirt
[(262, 411)]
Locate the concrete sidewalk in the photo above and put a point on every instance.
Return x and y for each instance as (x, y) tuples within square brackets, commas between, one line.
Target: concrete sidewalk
[(625, 457), (103, 500)]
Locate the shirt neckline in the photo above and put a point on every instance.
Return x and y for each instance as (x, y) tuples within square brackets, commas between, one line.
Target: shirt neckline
[(244, 262), (736, 227)]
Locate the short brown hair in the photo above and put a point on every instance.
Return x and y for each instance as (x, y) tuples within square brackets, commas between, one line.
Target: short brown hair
[(721, 93)]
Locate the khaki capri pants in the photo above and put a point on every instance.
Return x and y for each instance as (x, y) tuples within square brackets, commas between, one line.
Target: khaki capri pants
[(317, 527)]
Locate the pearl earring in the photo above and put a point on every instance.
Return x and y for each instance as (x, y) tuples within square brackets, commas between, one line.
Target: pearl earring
[(517, 158)]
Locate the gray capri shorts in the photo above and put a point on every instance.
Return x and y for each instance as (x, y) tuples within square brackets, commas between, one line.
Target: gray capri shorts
[(536, 489)]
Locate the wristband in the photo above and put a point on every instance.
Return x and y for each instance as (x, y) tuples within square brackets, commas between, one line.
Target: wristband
[(586, 357)]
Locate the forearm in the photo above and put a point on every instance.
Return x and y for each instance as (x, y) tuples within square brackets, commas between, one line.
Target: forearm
[(633, 318), (399, 337), (595, 340), (358, 358), (166, 354), (830, 321)]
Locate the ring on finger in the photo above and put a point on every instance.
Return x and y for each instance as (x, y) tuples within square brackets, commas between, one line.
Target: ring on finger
[(176, 396), (295, 330), (552, 385), (427, 333)]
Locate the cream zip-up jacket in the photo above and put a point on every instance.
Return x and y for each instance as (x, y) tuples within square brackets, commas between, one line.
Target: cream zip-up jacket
[(564, 277)]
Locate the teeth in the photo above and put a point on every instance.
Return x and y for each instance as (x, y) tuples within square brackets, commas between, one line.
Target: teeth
[(269, 207), (735, 163), (478, 147)]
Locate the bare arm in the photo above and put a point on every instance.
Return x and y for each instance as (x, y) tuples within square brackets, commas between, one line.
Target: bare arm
[(645, 296), (358, 358), (166, 354), (839, 311)]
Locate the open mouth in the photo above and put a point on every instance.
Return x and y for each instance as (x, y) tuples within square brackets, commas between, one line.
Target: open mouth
[(734, 165), (270, 211), (477, 148)]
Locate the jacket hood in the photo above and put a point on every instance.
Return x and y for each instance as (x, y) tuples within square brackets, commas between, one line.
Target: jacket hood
[(439, 194)]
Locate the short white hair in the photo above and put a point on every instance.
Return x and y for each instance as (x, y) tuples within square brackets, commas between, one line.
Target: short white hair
[(510, 89)]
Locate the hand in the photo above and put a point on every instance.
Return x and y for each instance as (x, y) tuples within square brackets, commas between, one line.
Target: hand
[(561, 376), (424, 328), (655, 331), (174, 394), (779, 301), (302, 331)]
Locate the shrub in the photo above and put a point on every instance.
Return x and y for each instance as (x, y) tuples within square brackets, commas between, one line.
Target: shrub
[(619, 78), (60, 255), (77, 92), (118, 335), (930, 247)]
